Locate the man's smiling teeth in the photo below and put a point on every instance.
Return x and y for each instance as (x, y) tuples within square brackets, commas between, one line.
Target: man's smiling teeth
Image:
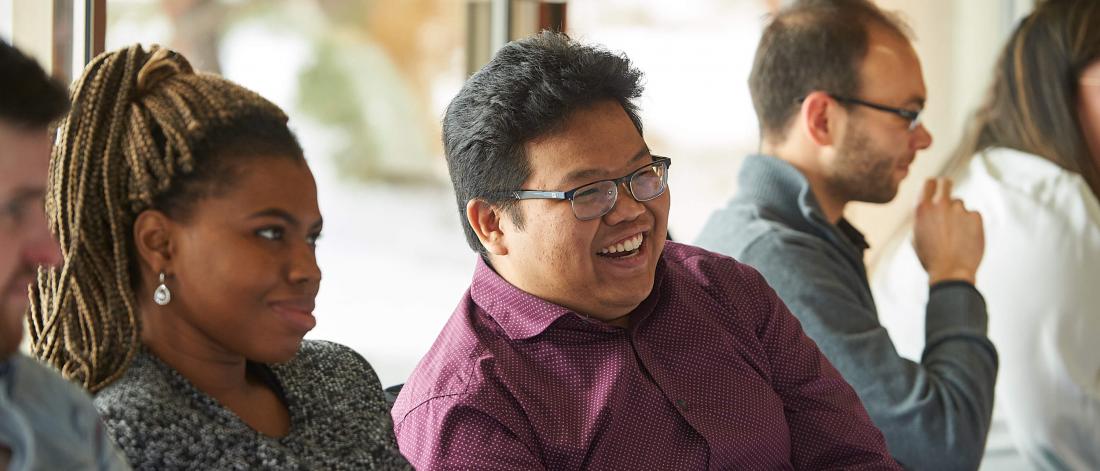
[(628, 245)]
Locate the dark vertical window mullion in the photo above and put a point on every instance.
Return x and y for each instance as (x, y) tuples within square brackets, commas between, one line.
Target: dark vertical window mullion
[(552, 16), (95, 28)]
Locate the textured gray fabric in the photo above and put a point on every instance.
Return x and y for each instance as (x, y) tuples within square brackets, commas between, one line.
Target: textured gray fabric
[(338, 418), (935, 414)]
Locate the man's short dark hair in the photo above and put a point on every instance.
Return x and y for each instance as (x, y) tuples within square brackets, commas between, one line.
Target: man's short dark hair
[(812, 45), (528, 90), (28, 97)]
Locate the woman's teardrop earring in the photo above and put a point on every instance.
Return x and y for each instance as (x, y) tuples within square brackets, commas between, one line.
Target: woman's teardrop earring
[(162, 296)]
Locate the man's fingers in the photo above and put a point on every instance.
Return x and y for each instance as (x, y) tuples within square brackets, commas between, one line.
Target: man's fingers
[(927, 191), (976, 217), (943, 190)]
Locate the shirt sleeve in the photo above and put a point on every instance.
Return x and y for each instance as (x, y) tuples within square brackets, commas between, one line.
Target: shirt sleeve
[(443, 434), (934, 414), (829, 427)]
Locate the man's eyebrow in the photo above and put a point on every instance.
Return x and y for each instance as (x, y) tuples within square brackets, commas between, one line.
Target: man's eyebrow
[(643, 153), (592, 173)]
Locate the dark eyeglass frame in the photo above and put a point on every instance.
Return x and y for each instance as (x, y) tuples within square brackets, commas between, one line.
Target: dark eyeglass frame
[(909, 115), (568, 195)]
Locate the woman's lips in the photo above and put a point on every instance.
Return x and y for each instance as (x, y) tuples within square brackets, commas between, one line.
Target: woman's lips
[(297, 313)]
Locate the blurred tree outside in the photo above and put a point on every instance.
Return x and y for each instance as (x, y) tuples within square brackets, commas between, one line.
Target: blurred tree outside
[(378, 73)]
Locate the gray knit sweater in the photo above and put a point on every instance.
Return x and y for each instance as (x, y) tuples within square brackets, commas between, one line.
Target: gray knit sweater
[(338, 417)]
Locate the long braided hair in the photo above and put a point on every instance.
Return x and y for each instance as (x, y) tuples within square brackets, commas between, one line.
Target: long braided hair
[(145, 132)]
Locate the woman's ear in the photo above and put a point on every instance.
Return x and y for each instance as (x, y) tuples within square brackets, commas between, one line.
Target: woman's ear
[(153, 240), (485, 219)]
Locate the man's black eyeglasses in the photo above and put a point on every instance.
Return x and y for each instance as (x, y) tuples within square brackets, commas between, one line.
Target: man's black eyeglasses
[(912, 116)]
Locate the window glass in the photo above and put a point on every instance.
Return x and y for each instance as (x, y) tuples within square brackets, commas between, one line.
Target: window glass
[(696, 56)]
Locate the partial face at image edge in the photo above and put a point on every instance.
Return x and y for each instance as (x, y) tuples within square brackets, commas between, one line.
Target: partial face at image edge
[(25, 240), (1089, 109)]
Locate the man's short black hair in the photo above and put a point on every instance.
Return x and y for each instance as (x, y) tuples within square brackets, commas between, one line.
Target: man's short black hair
[(28, 97), (529, 89), (812, 45)]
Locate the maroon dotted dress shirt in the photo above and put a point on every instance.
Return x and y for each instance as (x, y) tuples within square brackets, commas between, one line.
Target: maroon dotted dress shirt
[(712, 373)]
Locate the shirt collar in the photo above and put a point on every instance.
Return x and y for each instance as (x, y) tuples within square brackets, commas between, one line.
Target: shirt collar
[(770, 182), (853, 234), (523, 315), (1018, 169)]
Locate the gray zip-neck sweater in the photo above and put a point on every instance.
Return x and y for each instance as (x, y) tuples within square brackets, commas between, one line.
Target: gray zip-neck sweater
[(339, 418), (935, 414)]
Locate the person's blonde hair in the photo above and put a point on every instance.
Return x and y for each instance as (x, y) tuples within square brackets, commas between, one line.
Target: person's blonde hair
[(1032, 103), (145, 132)]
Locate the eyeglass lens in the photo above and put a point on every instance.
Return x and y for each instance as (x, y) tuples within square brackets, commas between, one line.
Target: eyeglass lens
[(597, 199)]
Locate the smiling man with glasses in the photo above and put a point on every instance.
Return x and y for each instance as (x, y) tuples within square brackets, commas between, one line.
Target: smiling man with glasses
[(586, 340), (839, 92)]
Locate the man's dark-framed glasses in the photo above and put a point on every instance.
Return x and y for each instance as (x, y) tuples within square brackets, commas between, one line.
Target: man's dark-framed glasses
[(593, 200), (909, 115), (912, 116)]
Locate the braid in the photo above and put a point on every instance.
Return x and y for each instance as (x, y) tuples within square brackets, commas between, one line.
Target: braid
[(129, 144)]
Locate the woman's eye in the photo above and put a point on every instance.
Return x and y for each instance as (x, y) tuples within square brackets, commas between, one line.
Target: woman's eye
[(312, 239), (270, 233)]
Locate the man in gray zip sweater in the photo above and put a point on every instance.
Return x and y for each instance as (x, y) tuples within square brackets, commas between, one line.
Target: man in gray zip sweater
[(838, 89)]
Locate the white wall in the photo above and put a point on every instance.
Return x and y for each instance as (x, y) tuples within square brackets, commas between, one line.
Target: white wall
[(6, 23), (32, 32)]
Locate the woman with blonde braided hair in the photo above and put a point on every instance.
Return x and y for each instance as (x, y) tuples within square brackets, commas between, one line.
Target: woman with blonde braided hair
[(187, 218)]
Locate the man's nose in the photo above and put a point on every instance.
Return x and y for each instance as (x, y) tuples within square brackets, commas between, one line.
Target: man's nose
[(626, 207), (922, 138)]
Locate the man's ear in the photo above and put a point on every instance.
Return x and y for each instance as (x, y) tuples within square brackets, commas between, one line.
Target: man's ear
[(818, 118), (485, 218), (153, 240)]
